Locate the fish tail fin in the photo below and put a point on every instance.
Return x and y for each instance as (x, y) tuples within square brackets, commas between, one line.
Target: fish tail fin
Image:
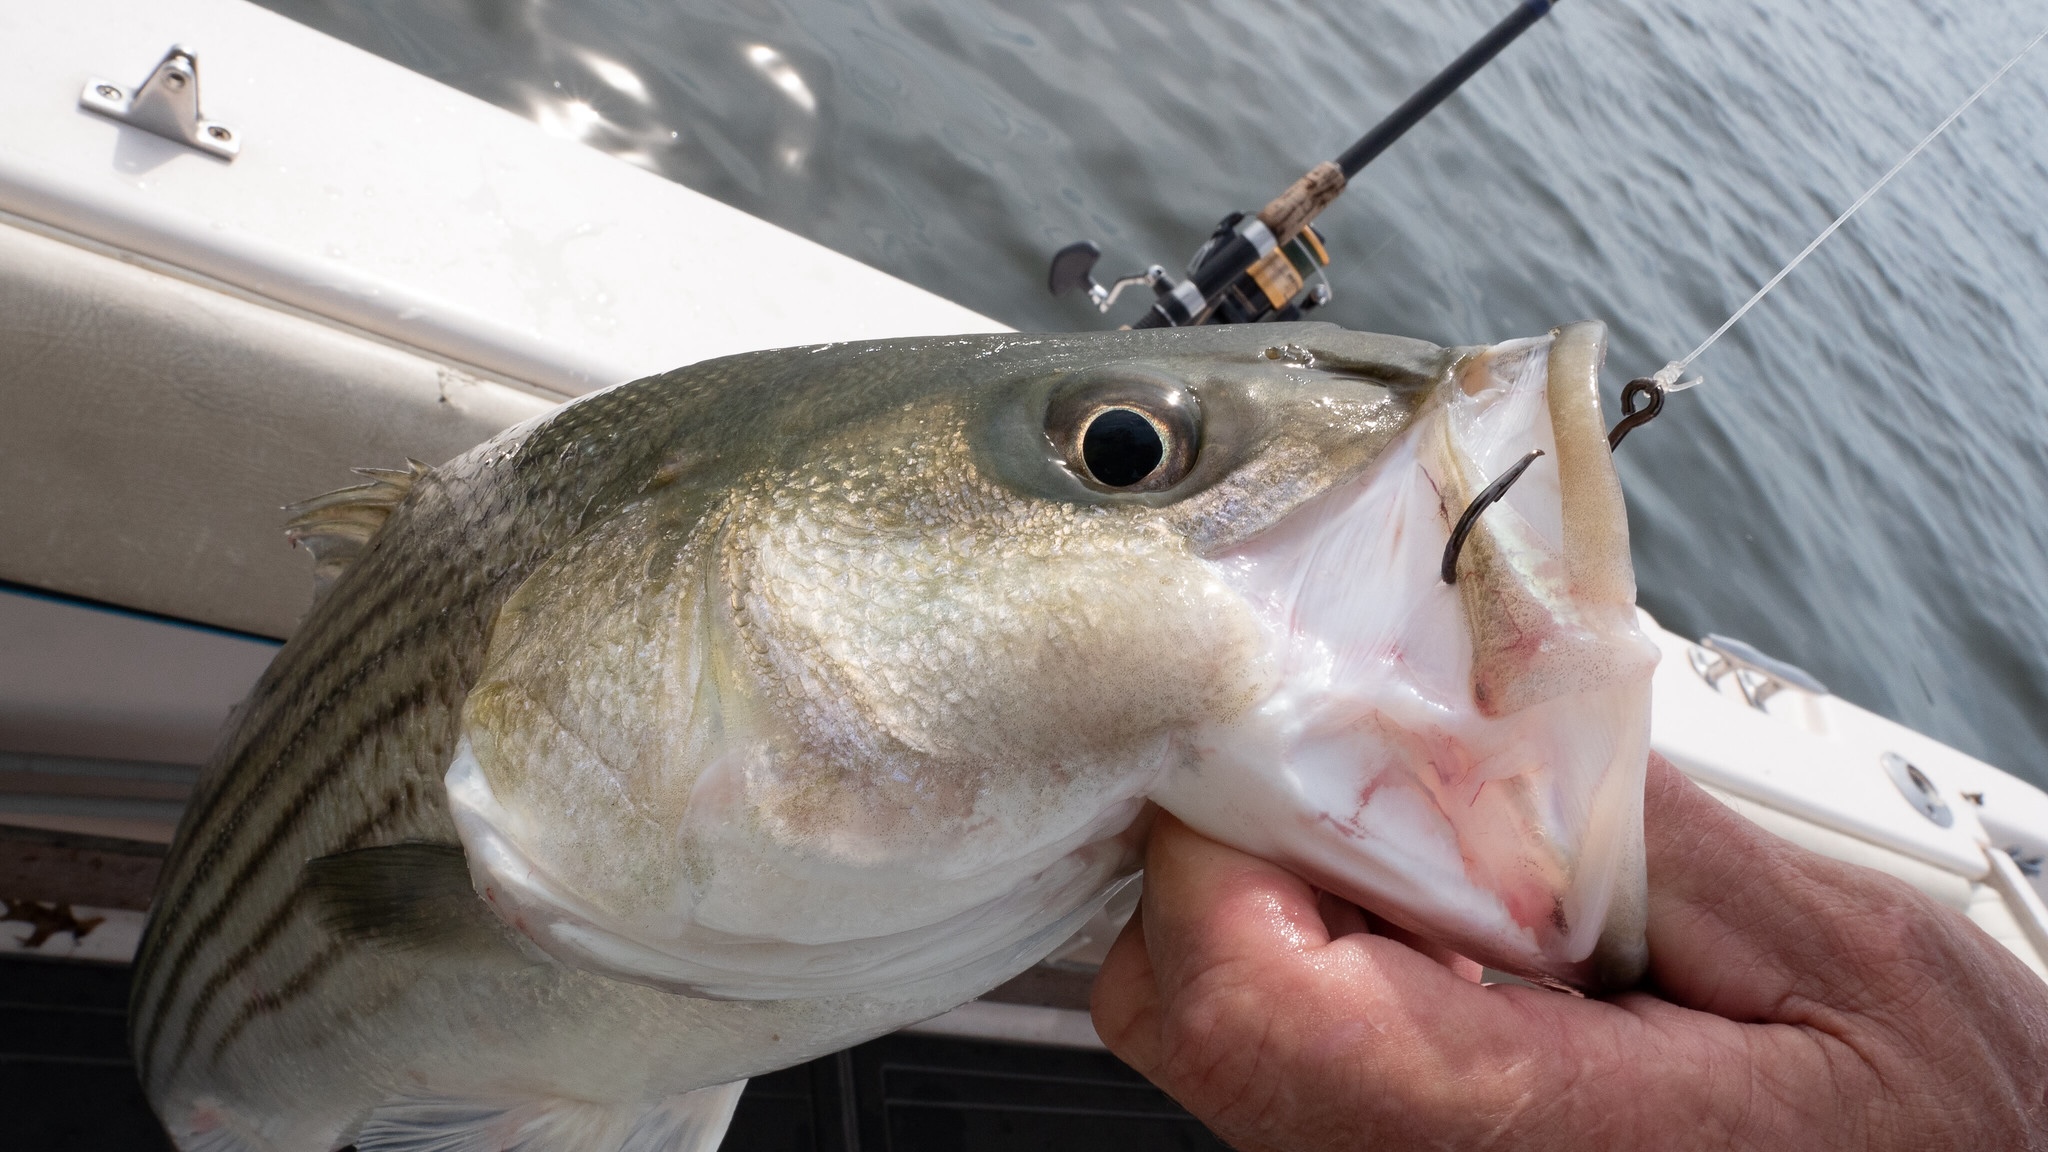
[(691, 1122)]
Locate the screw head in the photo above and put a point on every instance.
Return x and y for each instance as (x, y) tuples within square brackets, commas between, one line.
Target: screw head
[(108, 92), (219, 133)]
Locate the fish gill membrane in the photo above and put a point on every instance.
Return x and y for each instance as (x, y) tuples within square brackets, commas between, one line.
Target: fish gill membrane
[(863, 725), (722, 719)]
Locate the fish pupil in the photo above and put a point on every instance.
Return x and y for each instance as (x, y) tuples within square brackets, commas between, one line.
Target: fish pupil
[(1121, 447)]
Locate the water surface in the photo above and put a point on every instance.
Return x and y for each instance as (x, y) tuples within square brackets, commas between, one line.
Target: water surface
[(1859, 488)]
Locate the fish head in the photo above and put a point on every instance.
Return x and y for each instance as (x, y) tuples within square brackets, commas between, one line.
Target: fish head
[(878, 673)]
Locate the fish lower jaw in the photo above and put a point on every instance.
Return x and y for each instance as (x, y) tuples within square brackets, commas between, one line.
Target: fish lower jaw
[(1382, 802)]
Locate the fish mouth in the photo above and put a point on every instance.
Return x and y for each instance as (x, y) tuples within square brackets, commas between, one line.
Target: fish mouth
[(1463, 759)]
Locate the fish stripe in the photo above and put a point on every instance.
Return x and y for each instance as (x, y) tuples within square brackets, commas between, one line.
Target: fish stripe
[(328, 640), (222, 841), (329, 771), (159, 993), (273, 925), (336, 633), (357, 714), (264, 1003), (218, 844)]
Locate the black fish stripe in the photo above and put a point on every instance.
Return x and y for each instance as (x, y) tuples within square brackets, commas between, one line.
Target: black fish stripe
[(155, 999), (335, 635), (396, 801), (328, 636), (449, 605), (264, 1003), (218, 844), (321, 649), (329, 771)]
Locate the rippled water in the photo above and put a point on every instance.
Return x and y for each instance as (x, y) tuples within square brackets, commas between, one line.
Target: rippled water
[(1858, 489)]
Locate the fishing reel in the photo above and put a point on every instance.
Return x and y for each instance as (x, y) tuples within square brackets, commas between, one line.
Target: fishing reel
[(1283, 281), (1269, 266)]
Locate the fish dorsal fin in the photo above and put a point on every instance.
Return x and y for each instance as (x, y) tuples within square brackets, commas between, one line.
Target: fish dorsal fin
[(335, 527), (406, 897), (691, 1122)]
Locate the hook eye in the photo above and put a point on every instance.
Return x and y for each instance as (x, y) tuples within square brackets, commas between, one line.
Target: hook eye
[(1631, 419)]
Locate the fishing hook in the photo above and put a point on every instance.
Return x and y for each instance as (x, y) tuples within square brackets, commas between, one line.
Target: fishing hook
[(1630, 418), (1480, 503)]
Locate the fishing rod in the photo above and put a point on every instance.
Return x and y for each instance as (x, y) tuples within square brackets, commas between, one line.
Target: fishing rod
[(1269, 265)]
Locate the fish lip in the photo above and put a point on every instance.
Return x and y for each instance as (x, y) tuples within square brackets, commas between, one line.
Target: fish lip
[(1547, 584), (1596, 545)]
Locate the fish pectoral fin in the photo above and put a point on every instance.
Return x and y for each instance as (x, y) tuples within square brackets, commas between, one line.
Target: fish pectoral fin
[(336, 526), (405, 897), (689, 1122)]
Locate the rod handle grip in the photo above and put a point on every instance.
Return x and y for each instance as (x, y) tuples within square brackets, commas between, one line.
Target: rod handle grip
[(1291, 210)]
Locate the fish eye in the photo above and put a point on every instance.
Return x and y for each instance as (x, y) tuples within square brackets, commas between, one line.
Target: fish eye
[(1121, 447), (1134, 433)]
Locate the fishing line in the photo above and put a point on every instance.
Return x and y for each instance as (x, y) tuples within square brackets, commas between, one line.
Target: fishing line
[(1666, 379)]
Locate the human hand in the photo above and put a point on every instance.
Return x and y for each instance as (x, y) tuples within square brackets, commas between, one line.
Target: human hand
[(1799, 1003)]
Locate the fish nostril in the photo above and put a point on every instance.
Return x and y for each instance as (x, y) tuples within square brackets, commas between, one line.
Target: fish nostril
[(1122, 447)]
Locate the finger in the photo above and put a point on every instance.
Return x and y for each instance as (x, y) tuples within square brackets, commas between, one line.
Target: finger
[(1468, 970), (1340, 916), (1213, 914), (1776, 920), (1273, 1032), (1748, 926), (1124, 1003), (1266, 1022), (1125, 1007), (1213, 907)]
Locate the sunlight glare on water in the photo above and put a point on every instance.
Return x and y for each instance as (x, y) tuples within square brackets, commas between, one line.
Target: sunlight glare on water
[(1857, 490)]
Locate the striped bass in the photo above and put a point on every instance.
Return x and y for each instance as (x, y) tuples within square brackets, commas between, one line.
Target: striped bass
[(720, 720)]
